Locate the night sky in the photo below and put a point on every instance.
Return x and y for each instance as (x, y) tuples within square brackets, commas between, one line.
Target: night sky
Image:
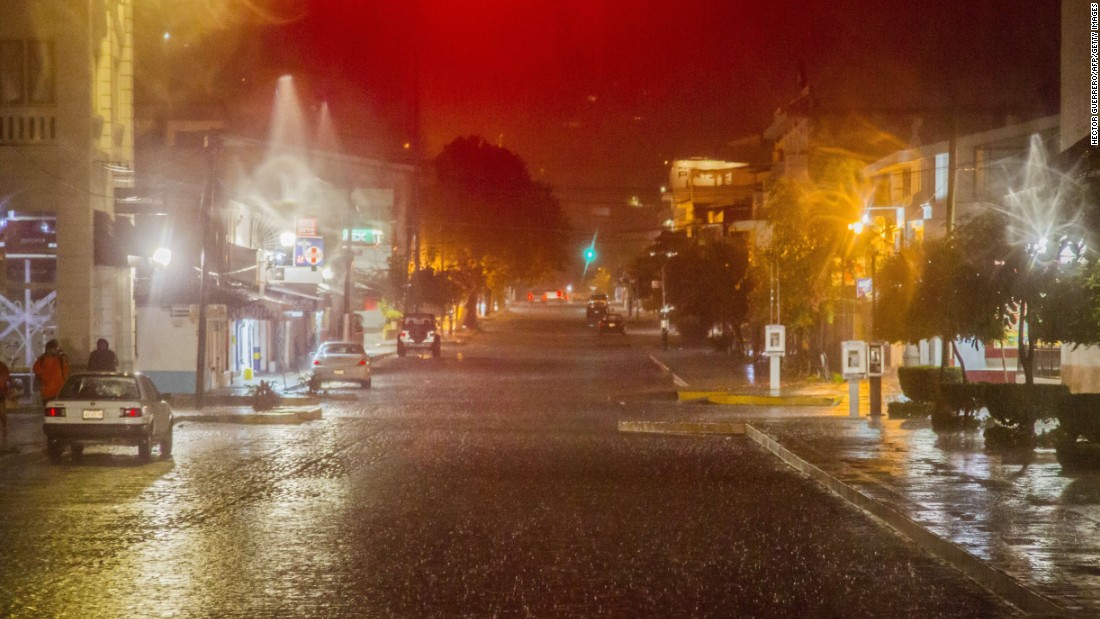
[(597, 94)]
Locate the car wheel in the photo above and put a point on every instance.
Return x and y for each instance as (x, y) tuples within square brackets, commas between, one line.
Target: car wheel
[(314, 385), (145, 448), (54, 448), (166, 444), (400, 349), (77, 450)]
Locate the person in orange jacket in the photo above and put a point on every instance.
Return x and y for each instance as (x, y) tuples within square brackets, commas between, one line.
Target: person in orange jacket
[(51, 369)]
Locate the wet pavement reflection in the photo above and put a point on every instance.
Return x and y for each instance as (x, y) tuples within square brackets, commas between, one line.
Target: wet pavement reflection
[(1021, 515)]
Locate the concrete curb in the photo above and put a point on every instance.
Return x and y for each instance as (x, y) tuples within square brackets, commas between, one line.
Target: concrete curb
[(276, 416), (749, 399), (682, 427), (994, 580), (667, 370)]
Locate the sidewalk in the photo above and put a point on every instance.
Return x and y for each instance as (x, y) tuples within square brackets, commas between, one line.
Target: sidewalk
[(1023, 529)]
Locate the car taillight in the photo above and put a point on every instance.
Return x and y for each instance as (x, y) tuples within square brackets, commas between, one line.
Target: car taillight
[(404, 334), (129, 412), (55, 411), (316, 362), (363, 361)]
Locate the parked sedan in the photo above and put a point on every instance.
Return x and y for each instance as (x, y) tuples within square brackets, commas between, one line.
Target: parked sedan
[(612, 323), (340, 361), (108, 407)]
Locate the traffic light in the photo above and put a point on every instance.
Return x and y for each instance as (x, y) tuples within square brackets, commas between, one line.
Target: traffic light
[(589, 254)]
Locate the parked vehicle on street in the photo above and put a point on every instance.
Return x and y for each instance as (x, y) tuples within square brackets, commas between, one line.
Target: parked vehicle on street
[(108, 408), (339, 361), (612, 323), (419, 332)]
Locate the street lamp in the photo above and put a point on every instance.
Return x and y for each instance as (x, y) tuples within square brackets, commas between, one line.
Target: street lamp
[(664, 298), (874, 377)]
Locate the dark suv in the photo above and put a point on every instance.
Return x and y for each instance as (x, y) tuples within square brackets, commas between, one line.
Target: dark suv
[(419, 332)]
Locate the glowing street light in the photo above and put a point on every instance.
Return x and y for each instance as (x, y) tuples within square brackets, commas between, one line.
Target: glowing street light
[(162, 256)]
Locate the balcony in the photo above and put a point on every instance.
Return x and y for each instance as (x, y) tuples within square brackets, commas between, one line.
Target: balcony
[(27, 127)]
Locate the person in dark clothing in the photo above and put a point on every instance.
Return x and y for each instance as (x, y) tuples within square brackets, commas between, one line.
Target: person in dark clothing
[(102, 359)]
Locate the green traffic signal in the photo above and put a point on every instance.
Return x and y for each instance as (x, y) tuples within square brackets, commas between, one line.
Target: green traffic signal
[(590, 254)]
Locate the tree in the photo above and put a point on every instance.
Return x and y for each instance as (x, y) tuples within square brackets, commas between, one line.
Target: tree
[(709, 285), (485, 218), (973, 285), (810, 246)]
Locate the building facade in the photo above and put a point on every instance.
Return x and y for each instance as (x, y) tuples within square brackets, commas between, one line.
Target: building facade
[(66, 147)]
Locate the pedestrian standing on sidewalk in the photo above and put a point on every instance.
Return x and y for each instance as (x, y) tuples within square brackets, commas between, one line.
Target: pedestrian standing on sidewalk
[(102, 359), (5, 385), (51, 369)]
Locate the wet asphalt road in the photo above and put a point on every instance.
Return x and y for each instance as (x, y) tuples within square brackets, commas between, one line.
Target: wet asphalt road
[(491, 482)]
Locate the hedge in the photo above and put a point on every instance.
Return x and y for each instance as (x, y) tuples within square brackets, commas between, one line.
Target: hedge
[(1079, 418), (1020, 406), (909, 410), (958, 405), (920, 383)]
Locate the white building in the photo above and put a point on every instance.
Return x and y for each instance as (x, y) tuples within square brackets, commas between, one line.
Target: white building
[(66, 146)]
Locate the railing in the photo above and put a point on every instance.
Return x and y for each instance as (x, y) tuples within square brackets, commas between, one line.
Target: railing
[(27, 127), (1048, 362)]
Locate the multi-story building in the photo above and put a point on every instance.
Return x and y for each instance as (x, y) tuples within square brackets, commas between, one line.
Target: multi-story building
[(910, 203), (711, 199), (66, 147), (294, 234)]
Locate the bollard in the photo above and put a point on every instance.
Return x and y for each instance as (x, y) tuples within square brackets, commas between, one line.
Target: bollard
[(876, 396), (773, 372)]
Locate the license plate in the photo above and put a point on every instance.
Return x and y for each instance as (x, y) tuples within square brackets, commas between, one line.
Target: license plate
[(96, 413), (338, 372)]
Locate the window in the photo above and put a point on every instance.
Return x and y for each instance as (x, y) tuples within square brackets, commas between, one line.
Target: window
[(27, 73), (941, 176)]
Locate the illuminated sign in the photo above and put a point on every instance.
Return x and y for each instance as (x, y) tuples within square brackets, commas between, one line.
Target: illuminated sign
[(309, 251), (364, 236)]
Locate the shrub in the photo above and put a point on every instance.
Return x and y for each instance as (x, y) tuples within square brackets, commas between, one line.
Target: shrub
[(264, 397), (1079, 416), (1004, 438), (958, 405), (909, 410), (921, 383), (1020, 406)]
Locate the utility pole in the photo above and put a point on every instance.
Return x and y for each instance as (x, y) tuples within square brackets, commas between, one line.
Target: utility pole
[(349, 266), (205, 204), (949, 216)]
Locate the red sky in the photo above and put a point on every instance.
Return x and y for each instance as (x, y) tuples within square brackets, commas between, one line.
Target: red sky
[(596, 94)]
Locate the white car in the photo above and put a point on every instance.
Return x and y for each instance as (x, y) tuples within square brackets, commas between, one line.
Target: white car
[(340, 361), (419, 332), (108, 407)]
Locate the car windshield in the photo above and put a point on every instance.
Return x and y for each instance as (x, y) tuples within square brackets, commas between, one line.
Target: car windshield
[(419, 321), (342, 349), (613, 317), (90, 387)]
